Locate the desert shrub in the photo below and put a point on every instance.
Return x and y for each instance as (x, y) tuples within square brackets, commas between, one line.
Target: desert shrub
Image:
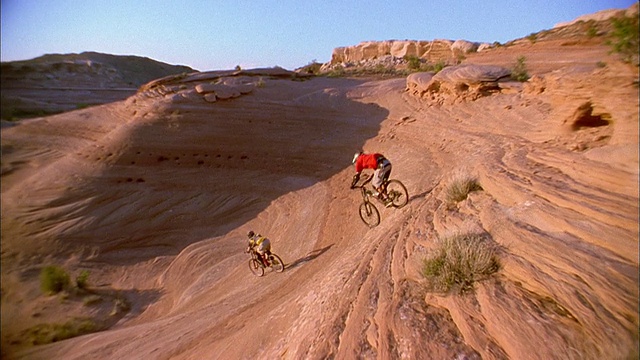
[(459, 260), (238, 68), (82, 280), (437, 67), (53, 279), (48, 333), (312, 68), (337, 71), (592, 30), (532, 37), (413, 62), (460, 186), (601, 64), (624, 38), (519, 70)]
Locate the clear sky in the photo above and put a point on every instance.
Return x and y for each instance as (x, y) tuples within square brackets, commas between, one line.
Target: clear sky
[(220, 34)]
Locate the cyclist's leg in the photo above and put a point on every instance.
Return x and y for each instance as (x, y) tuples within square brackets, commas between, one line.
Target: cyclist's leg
[(377, 181)]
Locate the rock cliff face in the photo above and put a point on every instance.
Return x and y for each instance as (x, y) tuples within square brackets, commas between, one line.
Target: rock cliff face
[(432, 51)]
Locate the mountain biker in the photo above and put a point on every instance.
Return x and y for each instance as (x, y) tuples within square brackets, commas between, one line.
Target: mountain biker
[(261, 244), (382, 167)]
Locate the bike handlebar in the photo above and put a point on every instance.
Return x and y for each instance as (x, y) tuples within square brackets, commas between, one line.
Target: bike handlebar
[(367, 179)]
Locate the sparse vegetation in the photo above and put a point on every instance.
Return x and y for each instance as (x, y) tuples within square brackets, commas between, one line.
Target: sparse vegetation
[(624, 38), (238, 68), (437, 67), (337, 71), (413, 62), (53, 279), (48, 333), (459, 260), (601, 64), (592, 30), (460, 186), (519, 71), (532, 37), (82, 280), (311, 68)]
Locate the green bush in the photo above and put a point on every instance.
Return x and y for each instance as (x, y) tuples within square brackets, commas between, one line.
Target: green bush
[(460, 187), (82, 280), (413, 62), (437, 67), (53, 279), (625, 38), (519, 71), (460, 260)]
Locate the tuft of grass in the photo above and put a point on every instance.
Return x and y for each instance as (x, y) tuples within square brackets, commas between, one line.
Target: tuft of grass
[(519, 71), (460, 260), (53, 279), (460, 187)]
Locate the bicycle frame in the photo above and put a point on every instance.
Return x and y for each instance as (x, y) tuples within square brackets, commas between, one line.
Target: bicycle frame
[(366, 193), (261, 260)]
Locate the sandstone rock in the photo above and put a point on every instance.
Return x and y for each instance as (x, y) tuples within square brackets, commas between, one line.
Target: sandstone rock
[(210, 97), (464, 46), (631, 11), (205, 88), (472, 74), (226, 92), (484, 46), (417, 83)]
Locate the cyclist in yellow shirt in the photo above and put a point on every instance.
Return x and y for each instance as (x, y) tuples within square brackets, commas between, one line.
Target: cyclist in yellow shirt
[(261, 244)]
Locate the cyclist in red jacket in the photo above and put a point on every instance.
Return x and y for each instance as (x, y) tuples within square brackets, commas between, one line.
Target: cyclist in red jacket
[(377, 162)]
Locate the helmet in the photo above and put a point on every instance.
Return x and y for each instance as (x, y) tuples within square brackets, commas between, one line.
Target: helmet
[(250, 233), (355, 157)]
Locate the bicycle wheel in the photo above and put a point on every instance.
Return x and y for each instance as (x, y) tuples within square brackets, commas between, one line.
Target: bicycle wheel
[(398, 193), (256, 267), (276, 263), (369, 214)]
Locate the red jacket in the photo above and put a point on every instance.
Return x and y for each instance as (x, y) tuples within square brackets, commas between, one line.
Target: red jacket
[(367, 161)]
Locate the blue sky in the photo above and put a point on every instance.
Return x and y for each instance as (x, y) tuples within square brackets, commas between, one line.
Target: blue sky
[(220, 34)]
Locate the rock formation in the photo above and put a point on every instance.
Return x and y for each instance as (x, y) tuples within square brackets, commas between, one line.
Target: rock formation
[(432, 51)]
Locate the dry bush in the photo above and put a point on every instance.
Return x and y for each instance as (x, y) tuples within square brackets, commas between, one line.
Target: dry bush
[(460, 260), (460, 185)]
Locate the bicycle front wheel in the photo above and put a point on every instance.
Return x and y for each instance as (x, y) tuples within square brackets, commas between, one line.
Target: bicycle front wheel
[(397, 193), (256, 267), (369, 214), (276, 263)]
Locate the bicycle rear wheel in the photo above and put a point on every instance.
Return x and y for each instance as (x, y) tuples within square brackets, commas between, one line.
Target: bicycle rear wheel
[(397, 193), (276, 263), (256, 267), (369, 214)]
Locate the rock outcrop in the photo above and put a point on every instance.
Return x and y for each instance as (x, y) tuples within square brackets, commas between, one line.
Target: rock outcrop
[(467, 82), (433, 51), (603, 15)]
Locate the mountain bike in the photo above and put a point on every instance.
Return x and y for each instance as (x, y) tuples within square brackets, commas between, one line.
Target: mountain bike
[(272, 261), (397, 197)]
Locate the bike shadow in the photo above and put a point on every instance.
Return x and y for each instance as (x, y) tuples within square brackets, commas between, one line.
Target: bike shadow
[(310, 256)]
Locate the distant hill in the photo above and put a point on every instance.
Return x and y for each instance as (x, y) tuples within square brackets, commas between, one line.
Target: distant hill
[(56, 83), (87, 69)]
